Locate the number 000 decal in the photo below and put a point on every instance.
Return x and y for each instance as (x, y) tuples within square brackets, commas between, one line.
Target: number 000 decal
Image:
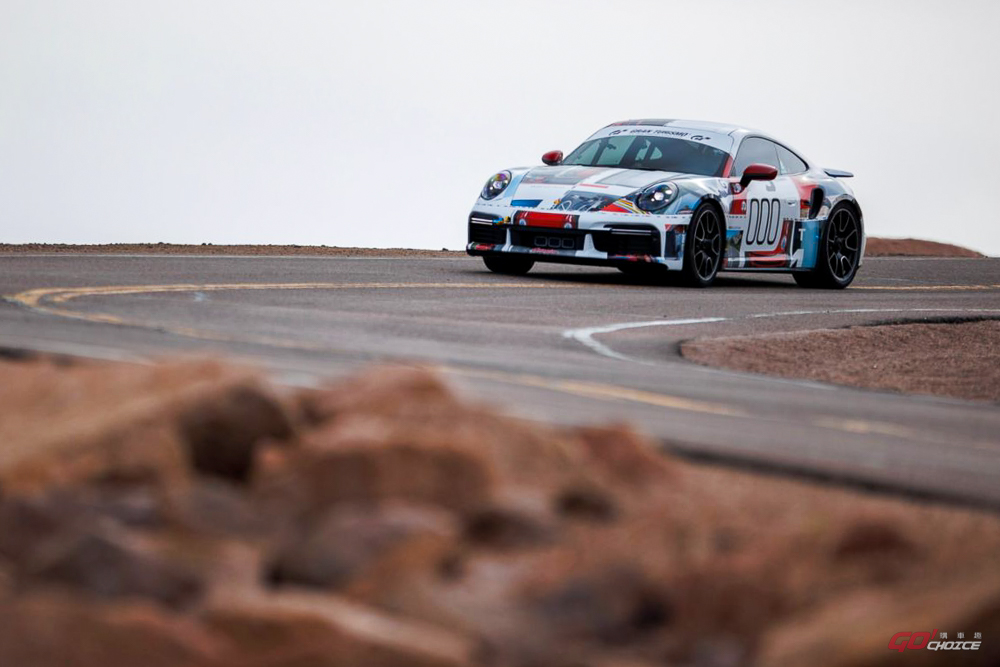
[(763, 222)]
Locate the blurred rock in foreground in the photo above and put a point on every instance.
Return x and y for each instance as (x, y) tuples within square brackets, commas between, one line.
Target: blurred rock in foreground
[(190, 514)]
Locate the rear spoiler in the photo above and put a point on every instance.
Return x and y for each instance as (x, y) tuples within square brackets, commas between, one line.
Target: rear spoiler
[(836, 173)]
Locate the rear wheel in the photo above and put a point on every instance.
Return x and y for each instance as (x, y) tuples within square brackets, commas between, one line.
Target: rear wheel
[(508, 265), (703, 247), (839, 252)]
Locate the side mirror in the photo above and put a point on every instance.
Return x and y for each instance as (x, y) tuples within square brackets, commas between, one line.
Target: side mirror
[(552, 158), (758, 172)]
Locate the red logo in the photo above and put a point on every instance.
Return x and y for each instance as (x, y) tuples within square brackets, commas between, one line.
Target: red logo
[(902, 641)]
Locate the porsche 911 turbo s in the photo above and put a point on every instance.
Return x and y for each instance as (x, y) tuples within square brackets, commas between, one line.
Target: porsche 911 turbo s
[(686, 196)]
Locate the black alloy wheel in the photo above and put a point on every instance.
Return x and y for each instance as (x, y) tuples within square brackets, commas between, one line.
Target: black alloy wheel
[(839, 254), (704, 247)]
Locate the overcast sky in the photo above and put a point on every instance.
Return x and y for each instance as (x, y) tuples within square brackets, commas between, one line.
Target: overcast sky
[(376, 123)]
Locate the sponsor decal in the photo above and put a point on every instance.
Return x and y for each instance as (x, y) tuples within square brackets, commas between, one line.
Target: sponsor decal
[(647, 259), (662, 133), (623, 206), (582, 201), (550, 220), (778, 257), (525, 203), (763, 223), (935, 641), (569, 175)]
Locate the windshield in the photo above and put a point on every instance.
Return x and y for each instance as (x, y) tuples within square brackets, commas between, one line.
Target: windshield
[(650, 153)]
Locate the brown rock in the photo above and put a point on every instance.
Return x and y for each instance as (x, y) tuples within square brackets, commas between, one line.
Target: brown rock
[(48, 631), (614, 607), (108, 563), (586, 502), (214, 507), (509, 525), (332, 468), (549, 546), (627, 456), (398, 391), (854, 630), (286, 629), (221, 434), (57, 540), (872, 538), (347, 540), (69, 424)]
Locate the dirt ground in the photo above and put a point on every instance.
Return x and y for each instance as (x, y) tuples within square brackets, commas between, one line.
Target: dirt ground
[(192, 514), (876, 248), (961, 360), (879, 247)]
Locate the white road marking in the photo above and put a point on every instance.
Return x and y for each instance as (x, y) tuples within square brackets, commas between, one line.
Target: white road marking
[(586, 335)]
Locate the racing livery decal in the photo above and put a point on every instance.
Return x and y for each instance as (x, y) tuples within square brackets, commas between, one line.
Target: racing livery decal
[(734, 197)]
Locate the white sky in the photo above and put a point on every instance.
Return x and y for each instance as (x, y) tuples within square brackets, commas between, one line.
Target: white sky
[(376, 123)]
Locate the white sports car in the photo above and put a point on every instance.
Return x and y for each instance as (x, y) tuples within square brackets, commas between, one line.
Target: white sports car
[(688, 196)]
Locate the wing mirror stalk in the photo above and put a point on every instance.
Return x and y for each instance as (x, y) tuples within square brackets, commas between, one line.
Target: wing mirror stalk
[(758, 172)]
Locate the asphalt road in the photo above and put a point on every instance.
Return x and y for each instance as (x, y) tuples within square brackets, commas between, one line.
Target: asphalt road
[(564, 344)]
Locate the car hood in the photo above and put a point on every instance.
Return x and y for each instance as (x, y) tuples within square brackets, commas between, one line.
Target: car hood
[(580, 188)]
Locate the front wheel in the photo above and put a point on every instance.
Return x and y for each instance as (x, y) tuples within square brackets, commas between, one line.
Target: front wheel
[(508, 265), (839, 252), (704, 247)]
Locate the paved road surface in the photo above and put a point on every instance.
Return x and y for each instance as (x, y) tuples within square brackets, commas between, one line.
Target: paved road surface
[(563, 344)]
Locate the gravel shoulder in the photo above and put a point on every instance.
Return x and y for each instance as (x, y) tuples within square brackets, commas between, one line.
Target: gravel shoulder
[(956, 359), (879, 247)]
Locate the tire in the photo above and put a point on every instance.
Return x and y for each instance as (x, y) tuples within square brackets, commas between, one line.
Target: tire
[(704, 247), (642, 270), (633, 269), (839, 252), (508, 265), (805, 279)]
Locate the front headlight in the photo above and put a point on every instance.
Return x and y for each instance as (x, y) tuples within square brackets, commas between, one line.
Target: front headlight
[(656, 197), (496, 185)]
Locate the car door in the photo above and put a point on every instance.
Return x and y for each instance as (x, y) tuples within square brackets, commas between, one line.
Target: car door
[(768, 218)]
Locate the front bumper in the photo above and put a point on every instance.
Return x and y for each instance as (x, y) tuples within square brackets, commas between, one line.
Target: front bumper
[(601, 238)]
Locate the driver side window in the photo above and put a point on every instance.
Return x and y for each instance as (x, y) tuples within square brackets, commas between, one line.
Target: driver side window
[(755, 151)]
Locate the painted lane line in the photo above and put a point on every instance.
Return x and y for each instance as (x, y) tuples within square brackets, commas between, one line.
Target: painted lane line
[(47, 299), (50, 300), (34, 297), (585, 336), (924, 288), (37, 300), (602, 391), (608, 392)]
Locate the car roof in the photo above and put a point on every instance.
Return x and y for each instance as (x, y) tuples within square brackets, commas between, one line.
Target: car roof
[(705, 126)]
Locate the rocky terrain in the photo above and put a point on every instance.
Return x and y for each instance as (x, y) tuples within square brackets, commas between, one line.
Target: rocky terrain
[(191, 514), (957, 359), (879, 247)]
